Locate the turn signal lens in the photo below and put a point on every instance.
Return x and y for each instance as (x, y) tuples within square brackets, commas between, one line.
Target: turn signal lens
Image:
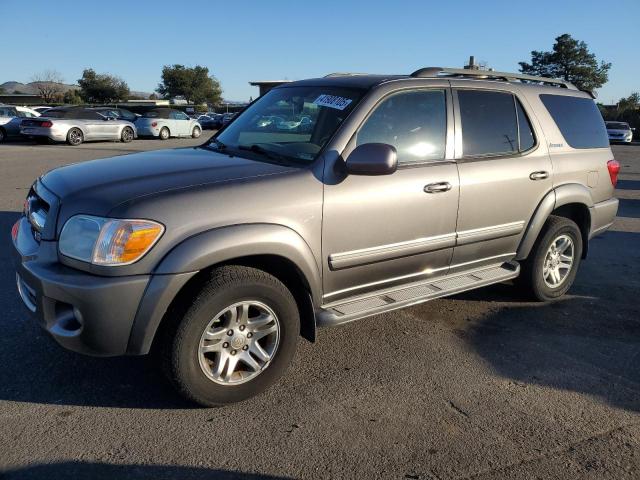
[(122, 242), (14, 230), (614, 169)]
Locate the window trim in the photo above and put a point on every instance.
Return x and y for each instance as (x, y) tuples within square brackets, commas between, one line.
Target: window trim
[(459, 155), (449, 127)]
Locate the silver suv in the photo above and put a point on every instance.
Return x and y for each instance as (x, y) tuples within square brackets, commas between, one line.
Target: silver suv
[(395, 191)]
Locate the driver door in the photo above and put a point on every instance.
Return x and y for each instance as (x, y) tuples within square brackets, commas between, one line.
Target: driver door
[(383, 231)]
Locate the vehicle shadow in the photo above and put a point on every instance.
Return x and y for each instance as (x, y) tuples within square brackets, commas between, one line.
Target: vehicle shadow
[(628, 185), (36, 369), (629, 208), (76, 470), (587, 342)]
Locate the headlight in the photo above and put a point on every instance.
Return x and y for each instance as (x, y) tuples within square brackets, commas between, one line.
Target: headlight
[(108, 241)]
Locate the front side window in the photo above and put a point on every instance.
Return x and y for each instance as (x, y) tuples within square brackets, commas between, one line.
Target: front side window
[(578, 119), (414, 122), (289, 123)]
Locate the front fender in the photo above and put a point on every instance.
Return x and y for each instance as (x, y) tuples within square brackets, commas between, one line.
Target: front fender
[(562, 195), (210, 248), (226, 243)]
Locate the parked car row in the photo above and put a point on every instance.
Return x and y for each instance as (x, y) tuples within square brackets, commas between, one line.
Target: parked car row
[(75, 125)]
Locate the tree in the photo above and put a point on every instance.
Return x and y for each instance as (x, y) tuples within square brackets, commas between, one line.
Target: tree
[(632, 102), (49, 85), (72, 97), (194, 84), (102, 87), (571, 61)]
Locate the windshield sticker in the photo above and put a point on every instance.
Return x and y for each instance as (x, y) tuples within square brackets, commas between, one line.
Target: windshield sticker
[(331, 101)]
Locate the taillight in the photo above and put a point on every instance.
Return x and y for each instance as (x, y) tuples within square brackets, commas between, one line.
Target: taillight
[(614, 169), (46, 124), (14, 230), (154, 124)]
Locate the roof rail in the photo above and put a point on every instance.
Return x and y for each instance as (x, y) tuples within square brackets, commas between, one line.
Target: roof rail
[(430, 72), (343, 74)]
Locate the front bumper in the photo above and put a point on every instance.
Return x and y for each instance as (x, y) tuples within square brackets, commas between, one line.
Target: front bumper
[(83, 312), (148, 131)]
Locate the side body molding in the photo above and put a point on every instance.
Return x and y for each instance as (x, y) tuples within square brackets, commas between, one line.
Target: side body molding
[(209, 248), (562, 195)]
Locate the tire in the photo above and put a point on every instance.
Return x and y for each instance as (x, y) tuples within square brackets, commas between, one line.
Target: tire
[(75, 137), (196, 132), (127, 135), (164, 133), (3, 135), (202, 377), (536, 278)]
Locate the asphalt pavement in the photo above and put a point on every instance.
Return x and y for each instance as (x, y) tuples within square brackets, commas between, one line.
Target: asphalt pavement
[(483, 385)]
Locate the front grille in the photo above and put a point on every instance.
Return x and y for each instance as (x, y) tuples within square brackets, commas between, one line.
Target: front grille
[(36, 209)]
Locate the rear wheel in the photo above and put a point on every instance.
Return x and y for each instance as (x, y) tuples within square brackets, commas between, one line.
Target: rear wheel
[(553, 263), (236, 338), (164, 133), (196, 132), (3, 135), (127, 135), (75, 137)]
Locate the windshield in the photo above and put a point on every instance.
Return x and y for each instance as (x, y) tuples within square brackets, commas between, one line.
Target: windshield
[(617, 126), (290, 123)]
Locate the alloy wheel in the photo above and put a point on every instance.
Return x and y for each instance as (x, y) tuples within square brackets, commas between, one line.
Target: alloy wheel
[(239, 343), (558, 261)]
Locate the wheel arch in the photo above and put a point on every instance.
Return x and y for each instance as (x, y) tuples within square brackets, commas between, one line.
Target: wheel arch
[(278, 250), (571, 201)]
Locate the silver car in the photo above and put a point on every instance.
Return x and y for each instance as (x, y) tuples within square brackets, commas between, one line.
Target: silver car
[(75, 125), (619, 132), (167, 122)]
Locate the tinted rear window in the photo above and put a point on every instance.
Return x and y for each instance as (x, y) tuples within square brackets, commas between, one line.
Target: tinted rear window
[(489, 124), (578, 119)]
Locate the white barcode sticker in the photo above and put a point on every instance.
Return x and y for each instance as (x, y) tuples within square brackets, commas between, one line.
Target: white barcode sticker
[(332, 101)]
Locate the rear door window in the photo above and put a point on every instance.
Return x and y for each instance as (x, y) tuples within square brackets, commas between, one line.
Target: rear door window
[(489, 123), (578, 119)]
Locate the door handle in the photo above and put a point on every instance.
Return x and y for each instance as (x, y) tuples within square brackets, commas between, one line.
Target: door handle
[(541, 175), (437, 187)]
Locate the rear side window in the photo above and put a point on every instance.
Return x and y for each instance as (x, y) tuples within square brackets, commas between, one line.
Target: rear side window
[(493, 124), (578, 119), (489, 123), (415, 123)]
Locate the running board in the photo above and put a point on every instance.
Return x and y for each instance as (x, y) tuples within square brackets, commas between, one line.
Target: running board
[(392, 299)]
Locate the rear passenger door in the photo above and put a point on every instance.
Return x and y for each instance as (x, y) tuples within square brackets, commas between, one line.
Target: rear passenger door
[(505, 171)]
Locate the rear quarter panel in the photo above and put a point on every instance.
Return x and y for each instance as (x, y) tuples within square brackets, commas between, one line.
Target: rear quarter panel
[(587, 166)]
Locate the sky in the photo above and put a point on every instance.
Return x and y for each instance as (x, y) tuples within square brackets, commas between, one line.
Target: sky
[(244, 40)]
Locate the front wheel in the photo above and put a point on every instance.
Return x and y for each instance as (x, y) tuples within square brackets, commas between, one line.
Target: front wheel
[(196, 132), (236, 338), (553, 263)]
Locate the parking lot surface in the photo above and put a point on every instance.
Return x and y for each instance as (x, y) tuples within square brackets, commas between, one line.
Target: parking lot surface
[(483, 385)]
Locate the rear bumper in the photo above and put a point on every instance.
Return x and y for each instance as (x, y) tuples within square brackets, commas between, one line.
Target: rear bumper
[(602, 216), (52, 133)]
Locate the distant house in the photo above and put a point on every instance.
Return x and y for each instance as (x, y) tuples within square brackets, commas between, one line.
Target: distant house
[(21, 99), (265, 85)]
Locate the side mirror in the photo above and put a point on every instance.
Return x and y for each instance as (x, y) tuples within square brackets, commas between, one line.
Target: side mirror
[(372, 159)]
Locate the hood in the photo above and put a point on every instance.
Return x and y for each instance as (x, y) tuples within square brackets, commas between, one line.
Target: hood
[(107, 182)]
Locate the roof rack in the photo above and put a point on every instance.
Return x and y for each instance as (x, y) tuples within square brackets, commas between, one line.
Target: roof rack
[(343, 74), (431, 72)]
